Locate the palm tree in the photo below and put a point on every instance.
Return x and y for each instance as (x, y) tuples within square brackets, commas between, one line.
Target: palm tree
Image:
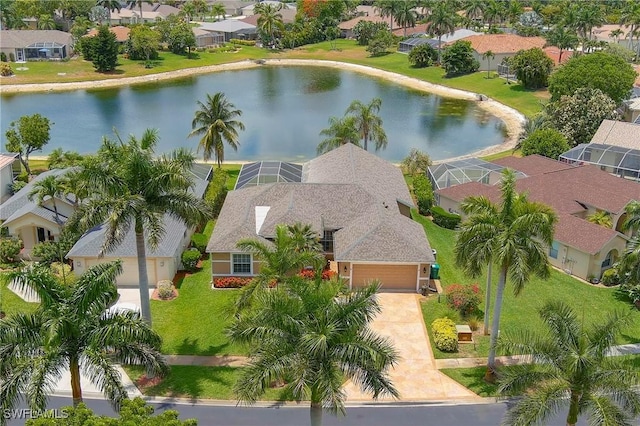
[(110, 5), (569, 368), (189, 10), (215, 121), (537, 122), (270, 20), (73, 184), (602, 218), (615, 34), (514, 235), (563, 38), (46, 22), (279, 259), (488, 55), (368, 123), (474, 9), (493, 11), (442, 20), (630, 16), (312, 337), (134, 189), (304, 238), (72, 328), (588, 17), (340, 131), (218, 10), (630, 262), (138, 3), (514, 10), (406, 16), (387, 9)]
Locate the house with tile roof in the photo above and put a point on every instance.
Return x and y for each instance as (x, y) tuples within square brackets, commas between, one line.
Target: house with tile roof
[(358, 205), (121, 33), (580, 247), (502, 45), (162, 262)]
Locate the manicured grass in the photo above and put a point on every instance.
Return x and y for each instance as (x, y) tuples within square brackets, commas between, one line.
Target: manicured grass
[(522, 311), (186, 381), (233, 170), (194, 322), (208, 229), (10, 303), (502, 154)]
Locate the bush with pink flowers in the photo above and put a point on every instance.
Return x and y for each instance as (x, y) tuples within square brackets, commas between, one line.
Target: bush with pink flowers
[(465, 298)]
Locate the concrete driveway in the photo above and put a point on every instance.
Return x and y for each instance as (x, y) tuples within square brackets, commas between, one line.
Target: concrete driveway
[(416, 376)]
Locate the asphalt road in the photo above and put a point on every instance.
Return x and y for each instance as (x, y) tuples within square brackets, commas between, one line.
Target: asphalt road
[(370, 415)]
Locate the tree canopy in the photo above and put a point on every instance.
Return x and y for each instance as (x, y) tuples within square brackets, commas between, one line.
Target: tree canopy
[(546, 142), (458, 59), (532, 67), (28, 134)]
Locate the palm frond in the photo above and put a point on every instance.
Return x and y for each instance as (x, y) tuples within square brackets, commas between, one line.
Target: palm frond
[(536, 407), (97, 368)]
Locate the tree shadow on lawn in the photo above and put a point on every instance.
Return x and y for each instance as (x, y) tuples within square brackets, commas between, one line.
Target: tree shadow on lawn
[(475, 381), (192, 347), (190, 383)]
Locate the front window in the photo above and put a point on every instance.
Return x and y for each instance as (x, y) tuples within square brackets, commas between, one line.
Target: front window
[(327, 241), (553, 250), (241, 263)]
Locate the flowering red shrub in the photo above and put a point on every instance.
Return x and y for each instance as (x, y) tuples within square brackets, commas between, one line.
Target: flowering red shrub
[(231, 282), (309, 274), (464, 298)]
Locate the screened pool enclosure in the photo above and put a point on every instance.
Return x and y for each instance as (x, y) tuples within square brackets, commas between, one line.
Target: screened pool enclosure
[(262, 172), (619, 161), (462, 171)]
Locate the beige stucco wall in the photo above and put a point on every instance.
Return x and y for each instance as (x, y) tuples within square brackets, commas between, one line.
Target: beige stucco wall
[(583, 265), (497, 60), (221, 265), (6, 179), (344, 269), (25, 229), (157, 269), (448, 204)]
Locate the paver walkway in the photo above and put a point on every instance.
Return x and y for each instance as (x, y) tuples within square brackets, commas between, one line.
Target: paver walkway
[(416, 376)]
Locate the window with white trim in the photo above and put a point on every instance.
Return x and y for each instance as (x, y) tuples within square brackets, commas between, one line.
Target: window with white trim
[(553, 250), (240, 263)]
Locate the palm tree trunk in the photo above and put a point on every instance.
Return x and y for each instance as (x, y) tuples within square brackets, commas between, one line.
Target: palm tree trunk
[(316, 414), (495, 328), (440, 50), (142, 277), (76, 389), (487, 300), (572, 417), (62, 264)]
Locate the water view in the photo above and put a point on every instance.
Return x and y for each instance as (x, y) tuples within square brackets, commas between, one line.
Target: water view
[(284, 110)]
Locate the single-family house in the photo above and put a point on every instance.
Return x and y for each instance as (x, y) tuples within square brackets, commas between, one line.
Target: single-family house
[(614, 33), (502, 46), (248, 10), (580, 248), (163, 10), (121, 33), (358, 205), (9, 168), (206, 38), (126, 16), (346, 27), (632, 109), (162, 262), (288, 17), (35, 45), (32, 223), (231, 29)]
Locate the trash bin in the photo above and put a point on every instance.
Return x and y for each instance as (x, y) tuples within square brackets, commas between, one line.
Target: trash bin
[(435, 272)]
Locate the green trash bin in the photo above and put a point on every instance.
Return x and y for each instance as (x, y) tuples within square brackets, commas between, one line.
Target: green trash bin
[(435, 272)]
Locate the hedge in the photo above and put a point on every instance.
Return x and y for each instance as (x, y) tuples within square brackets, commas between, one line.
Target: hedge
[(231, 282), (243, 42), (444, 219), (424, 193), (216, 191), (190, 258), (199, 241), (445, 335), (9, 249)]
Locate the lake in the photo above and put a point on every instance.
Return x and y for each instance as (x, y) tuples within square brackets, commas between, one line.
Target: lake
[(284, 110)]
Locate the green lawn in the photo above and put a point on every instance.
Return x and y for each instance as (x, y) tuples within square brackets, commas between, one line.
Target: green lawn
[(233, 170), (10, 303), (194, 322), (521, 312), (186, 381)]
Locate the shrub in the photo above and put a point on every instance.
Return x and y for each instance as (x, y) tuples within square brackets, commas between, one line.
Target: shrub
[(445, 335), (190, 258), (444, 219), (68, 277), (217, 191), (458, 59), (546, 142), (423, 192), (610, 277), (310, 274), (3, 57), (12, 57), (199, 241), (632, 290), (166, 289), (17, 185), (6, 70), (423, 56), (243, 42), (532, 67), (464, 298), (474, 323), (9, 249), (231, 282)]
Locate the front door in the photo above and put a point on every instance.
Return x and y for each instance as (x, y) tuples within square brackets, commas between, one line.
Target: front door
[(19, 55)]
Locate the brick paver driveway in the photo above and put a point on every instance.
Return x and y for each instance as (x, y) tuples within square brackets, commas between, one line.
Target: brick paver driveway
[(415, 376)]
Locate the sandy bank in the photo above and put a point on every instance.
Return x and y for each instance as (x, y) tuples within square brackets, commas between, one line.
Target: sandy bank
[(513, 119)]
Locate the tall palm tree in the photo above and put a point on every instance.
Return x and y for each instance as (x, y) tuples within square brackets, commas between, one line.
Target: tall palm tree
[(494, 11), (588, 17), (442, 20), (312, 337), (46, 22), (406, 15), (474, 9), (270, 20), (488, 56), (630, 16), (110, 5), (387, 9), (340, 131), (368, 123), (215, 121), (630, 261), (569, 368), (218, 10), (563, 38), (279, 259), (304, 238), (514, 235), (133, 189), (72, 328)]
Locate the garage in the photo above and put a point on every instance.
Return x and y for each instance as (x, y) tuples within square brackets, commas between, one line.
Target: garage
[(392, 277)]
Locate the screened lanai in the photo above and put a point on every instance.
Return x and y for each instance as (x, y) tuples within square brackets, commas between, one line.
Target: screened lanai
[(619, 161), (262, 172), (457, 172), (407, 45)]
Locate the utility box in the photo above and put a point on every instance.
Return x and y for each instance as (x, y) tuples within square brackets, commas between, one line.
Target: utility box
[(464, 334), (435, 272)]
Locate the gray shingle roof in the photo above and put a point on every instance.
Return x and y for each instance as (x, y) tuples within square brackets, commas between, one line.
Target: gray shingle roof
[(19, 204), (25, 38), (617, 133), (228, 26)]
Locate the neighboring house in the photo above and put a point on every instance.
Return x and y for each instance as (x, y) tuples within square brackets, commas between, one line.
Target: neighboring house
[(35, 45), (32, 223), (206, 38), (346, 27), (163, 10), (9, 168), (232, 7), (408, 44), (632, 110), (162, 263), (122, 33), (418, 29), (288, 17), (579, 248), (502, 46), (231, 29), (150, 13), (614, 148), (358, 204), (608, 34)]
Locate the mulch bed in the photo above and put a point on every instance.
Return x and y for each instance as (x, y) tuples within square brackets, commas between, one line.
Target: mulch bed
[(144, 382), (154, 295)]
